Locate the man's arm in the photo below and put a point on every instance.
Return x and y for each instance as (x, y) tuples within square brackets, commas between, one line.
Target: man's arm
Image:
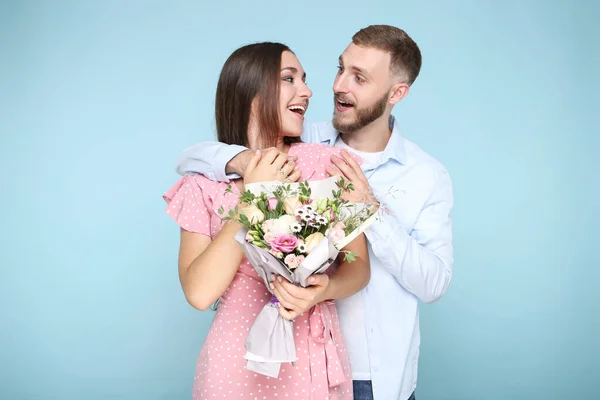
[(422, 261), (209, 159), (222, 162)]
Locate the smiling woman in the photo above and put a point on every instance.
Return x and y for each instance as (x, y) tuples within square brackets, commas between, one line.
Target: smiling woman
[(261, 100), (252, 82), (292, 107)]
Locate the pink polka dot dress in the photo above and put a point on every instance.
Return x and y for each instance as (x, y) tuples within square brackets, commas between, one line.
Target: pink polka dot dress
[(323, 368)]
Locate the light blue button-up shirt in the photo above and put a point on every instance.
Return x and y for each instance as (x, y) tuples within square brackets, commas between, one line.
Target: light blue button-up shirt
[(410, 249)]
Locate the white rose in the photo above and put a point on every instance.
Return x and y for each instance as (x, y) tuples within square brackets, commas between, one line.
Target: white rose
[(282, 225), (254, 215), (312, 241), (290, 204), (266, 226)]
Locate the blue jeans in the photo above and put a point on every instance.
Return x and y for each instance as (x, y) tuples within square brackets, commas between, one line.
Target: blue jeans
[(363, 390)]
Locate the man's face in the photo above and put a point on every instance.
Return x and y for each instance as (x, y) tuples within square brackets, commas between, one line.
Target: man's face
[(361, 88)]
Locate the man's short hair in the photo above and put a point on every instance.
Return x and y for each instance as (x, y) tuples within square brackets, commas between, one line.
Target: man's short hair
[(404, 52)]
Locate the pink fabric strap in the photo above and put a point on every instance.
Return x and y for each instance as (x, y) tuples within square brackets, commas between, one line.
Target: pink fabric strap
[(323, 349)]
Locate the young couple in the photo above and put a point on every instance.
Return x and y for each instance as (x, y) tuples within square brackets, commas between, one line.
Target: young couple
[(371, 351)]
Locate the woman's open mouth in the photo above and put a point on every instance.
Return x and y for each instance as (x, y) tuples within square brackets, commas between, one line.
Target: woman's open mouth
[(298, 109)]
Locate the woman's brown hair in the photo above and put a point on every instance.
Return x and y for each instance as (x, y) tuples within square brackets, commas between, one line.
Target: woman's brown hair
[(250, 72)]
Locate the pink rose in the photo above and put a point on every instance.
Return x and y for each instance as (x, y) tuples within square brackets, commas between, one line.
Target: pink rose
[(284, 243), (337, 232), (272, 203), (269, 237), (291, 261), (335, 235), (340, 225)]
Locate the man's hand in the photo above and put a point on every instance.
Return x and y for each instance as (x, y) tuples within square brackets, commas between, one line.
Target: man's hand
[(349, 169), (269, 165), (239, 163), (295, 300)]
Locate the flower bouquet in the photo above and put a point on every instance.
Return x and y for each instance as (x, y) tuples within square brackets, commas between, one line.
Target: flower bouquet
[(293, 230)]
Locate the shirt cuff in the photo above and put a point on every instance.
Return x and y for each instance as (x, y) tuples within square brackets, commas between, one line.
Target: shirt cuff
[(380, 230), (222, 156)]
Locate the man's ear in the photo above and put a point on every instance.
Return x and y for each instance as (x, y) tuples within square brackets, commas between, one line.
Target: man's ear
[(398, 92)]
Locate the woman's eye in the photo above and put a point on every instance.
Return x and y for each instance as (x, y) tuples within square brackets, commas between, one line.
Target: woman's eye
[(289, 79)]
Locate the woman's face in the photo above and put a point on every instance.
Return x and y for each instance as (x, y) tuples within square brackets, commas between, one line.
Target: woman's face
[(293, 95)]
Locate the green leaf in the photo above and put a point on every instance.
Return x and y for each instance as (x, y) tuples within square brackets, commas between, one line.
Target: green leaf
[(349, 256), (273, 214), (262, 206), (279, 207)]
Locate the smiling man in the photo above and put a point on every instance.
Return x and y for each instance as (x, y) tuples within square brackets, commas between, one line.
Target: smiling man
[(411, 248)]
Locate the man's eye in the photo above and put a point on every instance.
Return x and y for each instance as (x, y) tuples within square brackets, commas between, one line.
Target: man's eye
[(360, 79)]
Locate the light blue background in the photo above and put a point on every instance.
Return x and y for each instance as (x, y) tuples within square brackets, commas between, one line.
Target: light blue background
[(97, 99)]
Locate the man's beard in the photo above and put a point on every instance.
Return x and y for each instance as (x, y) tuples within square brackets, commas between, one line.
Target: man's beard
[(364, 116)]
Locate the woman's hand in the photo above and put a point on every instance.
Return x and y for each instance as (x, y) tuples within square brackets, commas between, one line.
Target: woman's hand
[(295, 300), (271, 165)]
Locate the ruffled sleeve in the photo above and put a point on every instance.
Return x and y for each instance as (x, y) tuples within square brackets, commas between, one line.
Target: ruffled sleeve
[(185, 204)]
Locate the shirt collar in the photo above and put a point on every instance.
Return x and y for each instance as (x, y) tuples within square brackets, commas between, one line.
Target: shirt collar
[(393, 150)]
